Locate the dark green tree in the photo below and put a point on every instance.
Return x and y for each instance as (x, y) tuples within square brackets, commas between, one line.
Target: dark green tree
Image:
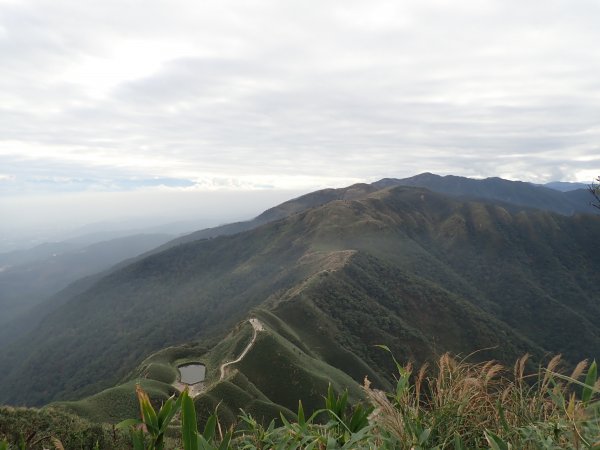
[(594, 189)]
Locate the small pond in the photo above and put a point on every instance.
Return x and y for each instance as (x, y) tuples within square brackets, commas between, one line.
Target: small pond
[(192, 373)]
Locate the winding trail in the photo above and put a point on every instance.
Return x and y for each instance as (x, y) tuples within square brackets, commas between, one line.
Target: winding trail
[(257, 326), (197, 388)]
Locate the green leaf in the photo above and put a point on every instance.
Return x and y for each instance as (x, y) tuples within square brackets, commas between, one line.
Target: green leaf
[(284, 420), (165, 410), (503, 420), (342, 403), (331, 443), (301, 418), (360, 418), (385, 347), (189, 427), (209, 428), (401, 370), (165, 418), (590, 381), (203, 444), (225, 442), (127, 423), (496, 442), (148, 413), (458, 443), (137, 437), (424, 436), (330, 399)]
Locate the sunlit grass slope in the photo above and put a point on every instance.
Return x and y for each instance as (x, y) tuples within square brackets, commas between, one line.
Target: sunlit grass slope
[(406, 267)]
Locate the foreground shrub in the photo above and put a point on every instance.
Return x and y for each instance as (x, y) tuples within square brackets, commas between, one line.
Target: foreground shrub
[(483, 406), (28, 428), (458, 405)]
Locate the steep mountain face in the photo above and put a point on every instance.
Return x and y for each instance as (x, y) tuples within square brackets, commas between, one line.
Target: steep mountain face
[(563, 198), (42, 251), (35, 275), (512, 192), (281, 211), (417, 271), (18, 323), (564, 186)]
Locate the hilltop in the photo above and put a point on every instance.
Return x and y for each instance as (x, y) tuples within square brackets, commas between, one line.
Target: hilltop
[(403, 266)]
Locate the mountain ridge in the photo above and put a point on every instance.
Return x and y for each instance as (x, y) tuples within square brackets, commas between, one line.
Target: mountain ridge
[(494, 188), (465, 254), (36, 275)]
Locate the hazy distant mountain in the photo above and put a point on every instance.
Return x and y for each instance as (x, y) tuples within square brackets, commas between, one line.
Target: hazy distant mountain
[(18, 324), (39, 252), (418, 271), (29, 277), (515, 192), (565, 186), (281, 211)]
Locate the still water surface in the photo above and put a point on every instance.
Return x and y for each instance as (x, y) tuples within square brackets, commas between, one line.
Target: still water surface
[(192, 373)]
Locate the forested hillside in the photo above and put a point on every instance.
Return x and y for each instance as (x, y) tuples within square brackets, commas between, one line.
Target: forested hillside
[(418, 271)]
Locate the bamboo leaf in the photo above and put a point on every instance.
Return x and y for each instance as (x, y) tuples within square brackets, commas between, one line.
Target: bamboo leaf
[(590, 381), (330, 399), (503, 420), (225, 442), (127, 423), (137, 437), (165, 410), (166, 417), (342, 402), (401, 370), (424, 436), (458, 443), (301, 418), (148, 414), (203, 444), (209, 428), (189, 427), (496, 442), (284, 420)]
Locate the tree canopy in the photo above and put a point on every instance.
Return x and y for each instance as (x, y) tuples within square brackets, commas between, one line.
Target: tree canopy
[(594, 189)]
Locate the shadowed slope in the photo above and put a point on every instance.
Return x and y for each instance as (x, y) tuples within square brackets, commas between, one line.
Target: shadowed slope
[(513, 192), (405, 267)]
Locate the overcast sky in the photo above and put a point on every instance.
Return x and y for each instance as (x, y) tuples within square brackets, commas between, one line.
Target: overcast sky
[(147, 96)]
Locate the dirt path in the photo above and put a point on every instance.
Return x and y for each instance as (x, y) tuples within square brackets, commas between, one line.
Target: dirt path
[(257, 326), (197, 388), (193, 389)]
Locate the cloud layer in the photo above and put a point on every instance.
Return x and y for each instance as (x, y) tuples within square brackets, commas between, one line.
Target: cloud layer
[(116, 95)]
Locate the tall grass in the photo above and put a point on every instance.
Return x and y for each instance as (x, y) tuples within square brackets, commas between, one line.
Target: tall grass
[(484, 405), (454, 405), (457, 405)]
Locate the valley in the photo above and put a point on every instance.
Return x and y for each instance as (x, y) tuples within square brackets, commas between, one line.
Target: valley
[(278, 308)]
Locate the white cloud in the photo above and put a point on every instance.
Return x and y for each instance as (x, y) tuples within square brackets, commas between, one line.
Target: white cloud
[(297, 94)]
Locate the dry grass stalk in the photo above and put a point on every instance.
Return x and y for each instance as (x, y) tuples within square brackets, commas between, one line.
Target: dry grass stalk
[(579, 369), (465, 399), (520, 367)]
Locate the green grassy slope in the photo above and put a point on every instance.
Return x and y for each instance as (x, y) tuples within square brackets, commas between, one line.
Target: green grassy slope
[(268, 381), (511, 192), (405, 267), (31, 282), (370, 302)]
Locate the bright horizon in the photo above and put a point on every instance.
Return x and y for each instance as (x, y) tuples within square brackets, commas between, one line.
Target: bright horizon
[(116, 109)]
